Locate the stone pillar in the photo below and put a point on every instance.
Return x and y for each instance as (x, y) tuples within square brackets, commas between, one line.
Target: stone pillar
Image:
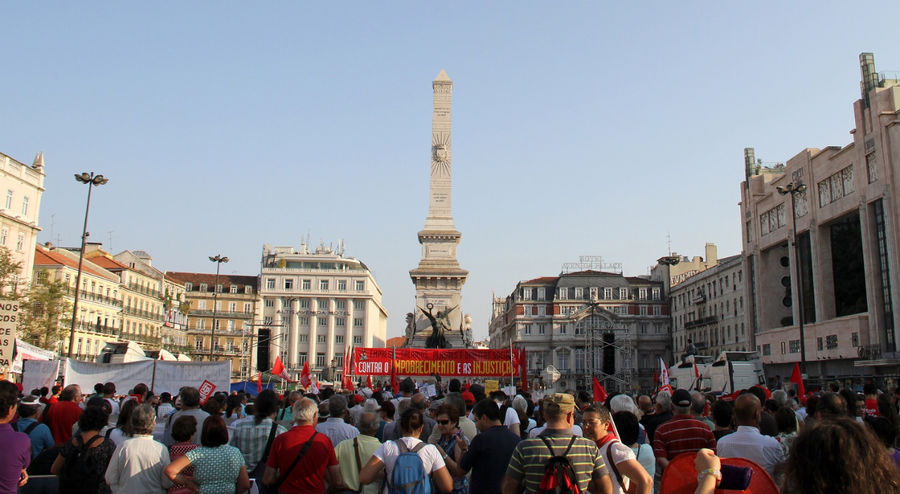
[(275, 349), (329, 340), (313, 328), (294, 333)]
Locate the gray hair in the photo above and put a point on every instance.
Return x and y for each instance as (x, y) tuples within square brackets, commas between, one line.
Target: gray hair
[(337, 406), (457, 401), (143, 420), (698, 401), (305, 411), (664, 400), (369, 423), (623, 403), (370, 405), (780, 397), (519, 404), (403, 406)]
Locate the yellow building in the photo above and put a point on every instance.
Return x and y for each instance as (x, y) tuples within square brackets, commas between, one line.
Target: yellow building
[(224, 310), (98, 315)]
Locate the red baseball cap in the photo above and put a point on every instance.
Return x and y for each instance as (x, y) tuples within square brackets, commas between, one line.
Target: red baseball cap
[(468, 397)]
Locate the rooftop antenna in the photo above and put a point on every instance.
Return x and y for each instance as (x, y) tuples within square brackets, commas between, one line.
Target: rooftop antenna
[(669, 243), (52, 216), (109, 235)]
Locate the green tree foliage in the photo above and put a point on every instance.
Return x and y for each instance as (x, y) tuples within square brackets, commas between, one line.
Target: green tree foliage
[(10, 269), (46, 313)]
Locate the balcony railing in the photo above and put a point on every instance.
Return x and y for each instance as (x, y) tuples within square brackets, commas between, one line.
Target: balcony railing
[(143, 313), (144, 290), (703, 321), (221, 313), (96, 328), (96, 297)]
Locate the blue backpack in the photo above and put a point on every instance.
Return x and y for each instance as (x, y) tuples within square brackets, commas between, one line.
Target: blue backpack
[(408, 476)]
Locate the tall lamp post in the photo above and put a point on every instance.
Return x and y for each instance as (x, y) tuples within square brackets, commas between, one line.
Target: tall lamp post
[(793, 189), (91, 180), (218, 259)]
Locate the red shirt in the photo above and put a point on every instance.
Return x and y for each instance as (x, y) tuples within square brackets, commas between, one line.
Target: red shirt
[(872, 407), (61, 417), (309, 473), (682, 434)]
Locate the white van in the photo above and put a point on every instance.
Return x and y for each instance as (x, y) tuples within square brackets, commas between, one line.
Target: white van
[(681, 374), (733, 371)]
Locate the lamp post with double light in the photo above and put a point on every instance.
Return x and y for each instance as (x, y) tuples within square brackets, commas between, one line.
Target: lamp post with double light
[(91, 180), (218, 259), (792, 189)]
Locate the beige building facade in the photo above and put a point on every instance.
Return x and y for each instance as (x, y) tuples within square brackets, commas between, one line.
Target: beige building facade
[(587, 323), (708, 308), (21, 187), (846, 252), (316, 305), (230, 304)]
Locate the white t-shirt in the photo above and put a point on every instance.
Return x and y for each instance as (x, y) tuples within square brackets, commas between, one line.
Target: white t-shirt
[(512, 417), (616, 452), (576, 429), (114, 405), (388, 453)]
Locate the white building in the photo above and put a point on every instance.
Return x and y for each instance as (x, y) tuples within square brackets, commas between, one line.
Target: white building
[(708, 308), (21, 186), (316, 304)]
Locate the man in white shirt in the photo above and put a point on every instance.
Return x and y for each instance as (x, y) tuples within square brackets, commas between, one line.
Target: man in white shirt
[(334, 427), (747, 442), (511, 418)]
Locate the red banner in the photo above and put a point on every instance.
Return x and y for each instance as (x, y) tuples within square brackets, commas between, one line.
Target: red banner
[(444, 362)]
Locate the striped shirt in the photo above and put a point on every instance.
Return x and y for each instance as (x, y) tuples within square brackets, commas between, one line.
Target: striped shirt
[(530, 455), (251, 439), (682, 434)]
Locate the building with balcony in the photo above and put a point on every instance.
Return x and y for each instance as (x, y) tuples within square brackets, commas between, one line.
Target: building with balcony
[(22, 187), (229, 304), (708, 308), (140, 292), (847, 236), (98, 319), (316, 305), (587, 323)]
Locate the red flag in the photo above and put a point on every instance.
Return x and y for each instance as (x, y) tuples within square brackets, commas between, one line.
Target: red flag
[(369, 381), (348, 383), (655, 378), (797, 378), (259, 383), (600, 394), (305, 381), (279, 370), (523, 369)]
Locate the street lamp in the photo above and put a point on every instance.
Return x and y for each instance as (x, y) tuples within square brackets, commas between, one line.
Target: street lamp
[(793, 189), (91, 180), (218, 259)]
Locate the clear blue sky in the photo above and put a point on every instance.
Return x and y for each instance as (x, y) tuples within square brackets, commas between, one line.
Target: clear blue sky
[(582, 128)]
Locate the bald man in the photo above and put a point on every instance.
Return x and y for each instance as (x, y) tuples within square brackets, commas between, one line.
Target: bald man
[(747, 442)]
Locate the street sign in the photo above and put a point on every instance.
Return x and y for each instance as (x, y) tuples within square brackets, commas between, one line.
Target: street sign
[(9, 320)]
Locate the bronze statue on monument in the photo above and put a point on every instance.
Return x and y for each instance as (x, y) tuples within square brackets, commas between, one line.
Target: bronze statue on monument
[(440, 323)]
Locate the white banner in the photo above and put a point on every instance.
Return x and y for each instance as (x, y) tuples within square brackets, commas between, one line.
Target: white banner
[(37, 374), (167, 376), (9, 317), (25, 351)]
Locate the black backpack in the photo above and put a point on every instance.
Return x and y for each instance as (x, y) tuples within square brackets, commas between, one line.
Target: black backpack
[(80, 472), (559, 476)]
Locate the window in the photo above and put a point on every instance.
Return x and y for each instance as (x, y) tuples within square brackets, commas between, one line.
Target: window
[(304, 303), (339, 322), (188, 286), (542, 328), (246, 308), (579, 293), (562, 328), (563, 293), (526, 310), (342, 285), (219, 288), (324, 304), (871, 167), (783, 348), (20, 242), (339, 338), (248, 289), (528, 329), (9, 197), (643, 310), (831, 342), (795, 346), (357, 340), (642, 293), (323, 285), (270, 302), (358, 305), (304, 338), (655, 293), (288, 284), (4, 232), (270, 284), (607, 293), (854, 339), (540, 293), (304, 321), (322, 321), (307, 284), (340, 305), (819, 345), (360, 286), (320, 360), (542, 310), (232, 307), (357, 322), (320, 338), (838, 185), (563, 361), (526, 293), (772, 219), (25, 206), (623, 293)]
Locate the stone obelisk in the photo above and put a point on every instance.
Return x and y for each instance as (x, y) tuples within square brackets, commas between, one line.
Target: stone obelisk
[(438, 278)]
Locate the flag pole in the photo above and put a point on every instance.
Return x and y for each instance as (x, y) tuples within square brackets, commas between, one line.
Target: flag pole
[(512, 372)]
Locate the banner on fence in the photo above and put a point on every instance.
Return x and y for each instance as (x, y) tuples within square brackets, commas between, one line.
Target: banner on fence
[(444, 362), (160, 375)]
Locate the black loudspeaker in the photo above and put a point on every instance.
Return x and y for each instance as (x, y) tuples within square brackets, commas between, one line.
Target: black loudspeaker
[(262, 349), (609, 353)]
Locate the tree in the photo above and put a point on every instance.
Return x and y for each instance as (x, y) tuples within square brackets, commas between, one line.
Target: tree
[(10, 269), (45, 313)]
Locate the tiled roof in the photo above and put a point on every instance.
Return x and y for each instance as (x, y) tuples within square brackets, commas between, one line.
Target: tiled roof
[(108, 263), (44, 257), (397, 341), (542, 279), (226, 280)]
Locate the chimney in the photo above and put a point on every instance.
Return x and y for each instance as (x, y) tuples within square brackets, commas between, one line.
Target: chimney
[(869, 76), (749, 162), (712, 255)]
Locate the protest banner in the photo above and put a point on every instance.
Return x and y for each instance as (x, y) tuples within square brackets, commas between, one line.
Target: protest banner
[(206, 390), (9, 320), (427, 362)]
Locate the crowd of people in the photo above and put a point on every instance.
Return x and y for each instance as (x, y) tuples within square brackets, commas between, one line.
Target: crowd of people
[(457, 440)]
